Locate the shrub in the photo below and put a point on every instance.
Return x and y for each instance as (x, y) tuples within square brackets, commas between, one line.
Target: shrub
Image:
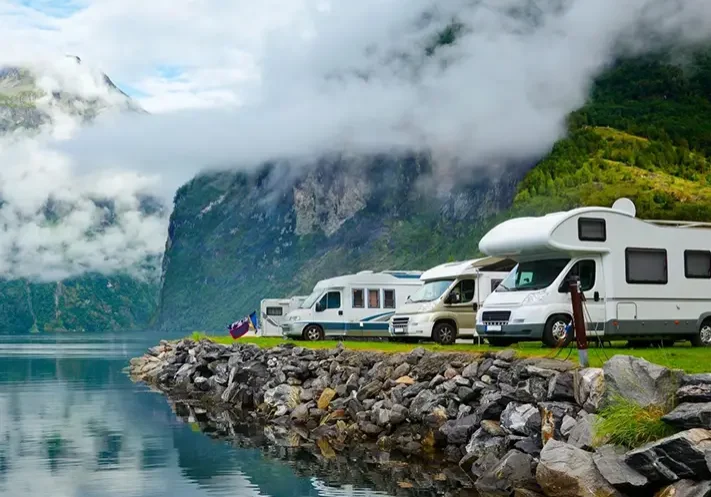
[(624, 422)]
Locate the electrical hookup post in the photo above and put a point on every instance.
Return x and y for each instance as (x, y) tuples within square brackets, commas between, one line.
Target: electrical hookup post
[(576, 298)]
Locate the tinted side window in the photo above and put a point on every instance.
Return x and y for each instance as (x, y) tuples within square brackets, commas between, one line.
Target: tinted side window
[(274, 311), (373, 299), (697, 264), (389, 299), (646, 266), (494, 284), (358, 299), (592, 229), (585, 270), (333, 300)]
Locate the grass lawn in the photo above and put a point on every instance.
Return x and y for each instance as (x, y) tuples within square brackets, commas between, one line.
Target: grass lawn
[(681, 356)]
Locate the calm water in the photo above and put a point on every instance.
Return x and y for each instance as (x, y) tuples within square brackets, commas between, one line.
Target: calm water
[(72, 424)]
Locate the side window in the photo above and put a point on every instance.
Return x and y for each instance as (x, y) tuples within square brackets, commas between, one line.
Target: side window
[(358, 298), (389, 299), (646, 266), (585, 270), (495, 284), (697, 264), (373, 299), (275, 311), (592, 229), (467, 287), (333, 300)]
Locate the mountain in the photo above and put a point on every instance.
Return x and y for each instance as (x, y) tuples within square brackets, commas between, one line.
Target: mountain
[(32, 97), (236, 238)]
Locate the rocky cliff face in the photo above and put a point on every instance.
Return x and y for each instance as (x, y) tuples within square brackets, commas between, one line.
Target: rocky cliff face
[(93, 302), (236, 238)]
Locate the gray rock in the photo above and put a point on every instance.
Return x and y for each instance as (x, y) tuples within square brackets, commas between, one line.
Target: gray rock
[(687, 488), (694, 393), (521, 419), (413, 390), (689, 415), (202, 383), (394, 416), (566, 471), (458, 431), (674, 458), (560, 387), (529, 445), (436, 381), (461, 381), (282, 395), (589, 388), (369, 390), (609, 460), (515, 470), (450, 373), (400, 371), (639, 380), (567, 425), (470, 370), (482, 443), (490, 406), (422, 405), (493, 428), (583, 433), (506, 355), (301, 413), (466, 394), (534, 389), (697, 379), (370, 428)]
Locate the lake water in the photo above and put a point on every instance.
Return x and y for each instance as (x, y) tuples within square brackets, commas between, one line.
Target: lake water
[(72, 424)]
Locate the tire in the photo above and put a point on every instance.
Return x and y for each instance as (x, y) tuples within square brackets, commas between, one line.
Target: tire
[(444, 333), (501, 342), (703, 337), (313, 333), (553, 330)]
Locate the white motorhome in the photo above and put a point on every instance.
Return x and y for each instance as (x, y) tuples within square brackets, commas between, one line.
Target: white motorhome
[(640, 278), (354, 305), (444, 308), (274, 311)]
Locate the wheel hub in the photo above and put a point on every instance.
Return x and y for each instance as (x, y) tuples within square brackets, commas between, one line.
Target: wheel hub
[(559, 330), (705, 334)]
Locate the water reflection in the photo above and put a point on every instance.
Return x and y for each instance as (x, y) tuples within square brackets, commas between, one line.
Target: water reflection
[(72, 424)]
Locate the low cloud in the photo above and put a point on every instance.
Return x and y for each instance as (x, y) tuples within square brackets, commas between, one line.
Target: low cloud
[(318, 78)]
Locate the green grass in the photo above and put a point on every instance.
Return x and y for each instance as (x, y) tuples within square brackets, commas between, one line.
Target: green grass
[(625, 423), (691, 360)]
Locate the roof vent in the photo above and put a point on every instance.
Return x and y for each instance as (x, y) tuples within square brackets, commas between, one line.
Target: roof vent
[(625, 205)]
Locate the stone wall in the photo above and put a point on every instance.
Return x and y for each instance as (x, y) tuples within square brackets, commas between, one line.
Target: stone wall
[(513, 426)]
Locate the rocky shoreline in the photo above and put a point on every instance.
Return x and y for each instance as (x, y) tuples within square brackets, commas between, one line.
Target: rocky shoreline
[(453, 423)]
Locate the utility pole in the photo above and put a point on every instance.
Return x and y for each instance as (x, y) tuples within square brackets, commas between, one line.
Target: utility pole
[(576, 298)]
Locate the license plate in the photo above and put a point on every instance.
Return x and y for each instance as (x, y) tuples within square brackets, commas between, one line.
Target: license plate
[(493, 327), (399, 330)]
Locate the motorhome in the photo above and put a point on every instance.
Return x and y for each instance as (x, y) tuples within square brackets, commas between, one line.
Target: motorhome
[(444, 308), (355, 305), (641, 279), (273, 312)]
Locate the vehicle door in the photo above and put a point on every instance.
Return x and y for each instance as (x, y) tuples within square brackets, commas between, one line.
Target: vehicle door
[(460, 302), (592, 285), (329, 313)]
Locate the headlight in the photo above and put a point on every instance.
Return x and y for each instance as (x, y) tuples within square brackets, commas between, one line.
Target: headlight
[(293, 318)]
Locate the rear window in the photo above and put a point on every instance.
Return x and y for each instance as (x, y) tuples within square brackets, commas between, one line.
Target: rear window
[(275, 311), (697, 264)]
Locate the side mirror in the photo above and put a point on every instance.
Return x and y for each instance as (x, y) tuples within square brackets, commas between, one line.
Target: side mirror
[(596, 296), (320, 307), (453, 298)]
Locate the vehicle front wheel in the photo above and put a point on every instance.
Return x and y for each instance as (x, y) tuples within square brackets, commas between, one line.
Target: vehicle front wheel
[(313, 333), (554, 334), (703, 337), (444, 333)]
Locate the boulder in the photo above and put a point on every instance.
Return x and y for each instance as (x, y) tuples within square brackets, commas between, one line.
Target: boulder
[(686, 488), (534, 389), (589, 388), (490, 406), (400, 371), (326, 397), (482, 443), (674, 458), (458, 431), (521, 419), (583, 433), (282, 395), (423, 404), (493, 428), (515, 470), (697, 379), (641, 381), (689, 415), (694, 393), (609, 460), (566, 471), (369, 390), (470, 370), (560, 387), (529, 445), (567, 425)]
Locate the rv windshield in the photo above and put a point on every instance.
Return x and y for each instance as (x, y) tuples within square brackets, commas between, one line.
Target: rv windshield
[(431, 290), (311, 299), (532, 275)]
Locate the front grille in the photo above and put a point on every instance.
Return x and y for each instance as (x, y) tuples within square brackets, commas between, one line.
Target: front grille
[(496, 316), (400, 322)]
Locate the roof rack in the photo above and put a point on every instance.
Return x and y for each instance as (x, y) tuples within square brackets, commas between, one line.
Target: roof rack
[(678, 224)]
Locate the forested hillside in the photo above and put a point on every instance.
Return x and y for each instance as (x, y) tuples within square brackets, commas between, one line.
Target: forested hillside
[(234, 238)]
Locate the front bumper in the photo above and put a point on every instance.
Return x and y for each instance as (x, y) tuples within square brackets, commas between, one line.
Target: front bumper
[(292, 329), (422, 329), (523, 331)]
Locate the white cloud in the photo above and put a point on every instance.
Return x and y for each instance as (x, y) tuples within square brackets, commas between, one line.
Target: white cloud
[(250, 81)]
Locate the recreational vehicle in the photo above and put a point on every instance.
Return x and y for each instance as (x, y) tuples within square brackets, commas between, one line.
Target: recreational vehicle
[(355, 305), (444, 308), (273, 312), (639, 278)]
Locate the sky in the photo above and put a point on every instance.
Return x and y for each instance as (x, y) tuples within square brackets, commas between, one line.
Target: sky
[(232, 83)]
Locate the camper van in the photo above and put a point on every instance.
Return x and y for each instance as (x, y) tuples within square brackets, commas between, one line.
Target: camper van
[(444, 308), (641, 279), (273, 312), (355, 305)]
